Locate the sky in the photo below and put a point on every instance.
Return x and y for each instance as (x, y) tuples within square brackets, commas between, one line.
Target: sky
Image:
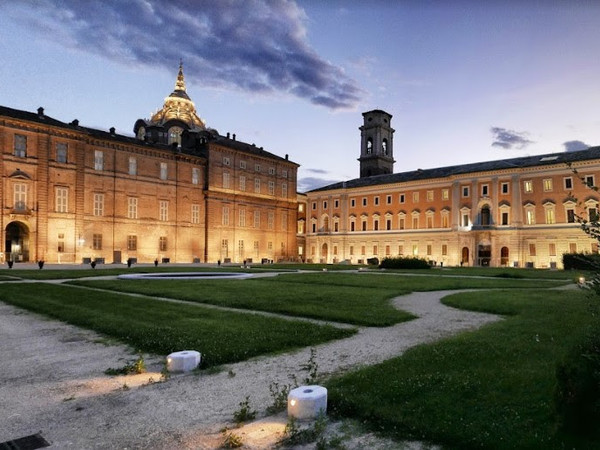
[(465, 80)]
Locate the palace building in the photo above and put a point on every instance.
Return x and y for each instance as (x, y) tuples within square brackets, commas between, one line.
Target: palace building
[(519, 212), (176, 192)]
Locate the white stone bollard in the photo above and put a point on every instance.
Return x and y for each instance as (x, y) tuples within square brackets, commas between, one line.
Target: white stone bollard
[(183, 361), (306, 402)]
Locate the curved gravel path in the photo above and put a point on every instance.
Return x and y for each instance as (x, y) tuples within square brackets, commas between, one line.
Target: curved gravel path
[(51, 381)]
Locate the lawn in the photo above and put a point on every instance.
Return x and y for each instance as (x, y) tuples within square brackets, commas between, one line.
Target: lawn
[(161, 327), (490, 388), (356, 298)]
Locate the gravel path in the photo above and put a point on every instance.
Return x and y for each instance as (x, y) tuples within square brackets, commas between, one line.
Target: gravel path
[(52, 381)]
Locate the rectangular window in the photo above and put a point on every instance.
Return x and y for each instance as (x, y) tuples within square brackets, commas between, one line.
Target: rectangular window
[(532, 251), (61, 152), (504, 188), (376, 225), (572, 247), (352, 226), (325, 204), (284, 221), (195, 213), (284, 191), (529, 217), (364, 201), (528, 186), (163, 213), (225, 180), (589, 180), (163, 171), (271, 170), (429, 221), (547, 182), (352, 202), (271, 188), (444, 250), (388, 224), (162, 243), (465, 220), (241, 250), (336, 203), (242, 217), (336, 227), (256, 219), (415, 223), (402, 198), (351, 250), (62, 200), (132, 207), (257, 167), (98, 204), (225, 217), (98, 160), (401, 224), (20, 196), (20, 148), (314, 206), (225, 248), (195, 175), (242, 183), (570, 215), (364, 225), (257, 185), (132, 242), (242, 164), (429, 196), (60, 248), (97, 242), (445, 194), (284, 173), (428, 249), (415, 197), (376, 201), (375, 250), (271, 220), (132, 165), (504, 218), (550, 215), (445, 221), (592, 214), (568, 183), (388, 199), (552, 249), (485, 190), (226, 161), (465, 191), (401, 249)]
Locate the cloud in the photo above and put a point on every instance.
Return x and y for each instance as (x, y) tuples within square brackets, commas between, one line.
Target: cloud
[(259, 46), (509, 139), (306, 184), (319, 171), (574, 146)]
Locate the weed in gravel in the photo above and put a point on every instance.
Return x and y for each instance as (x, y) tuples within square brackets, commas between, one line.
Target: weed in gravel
[(133, 367), (232, 440), (279, 394), (311, 367), (245, 413)]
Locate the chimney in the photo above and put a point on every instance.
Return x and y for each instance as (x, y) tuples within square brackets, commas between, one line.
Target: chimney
[(286, 156), (234, 136), (75, 123), (227, 135), (112, 131), (40, 112)]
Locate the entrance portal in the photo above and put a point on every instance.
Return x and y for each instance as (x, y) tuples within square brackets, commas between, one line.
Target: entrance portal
[(16, 244), (324, 255), (465, 256), (484, 255)]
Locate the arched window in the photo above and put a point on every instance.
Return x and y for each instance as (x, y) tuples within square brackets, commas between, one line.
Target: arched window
[(369, 146), (384, 147), (504, 256), (175, 135)]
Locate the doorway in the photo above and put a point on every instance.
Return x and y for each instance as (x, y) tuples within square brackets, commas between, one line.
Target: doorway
[(16, 244)]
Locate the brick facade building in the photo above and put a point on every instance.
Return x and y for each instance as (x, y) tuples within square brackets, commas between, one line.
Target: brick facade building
[(177, 191)]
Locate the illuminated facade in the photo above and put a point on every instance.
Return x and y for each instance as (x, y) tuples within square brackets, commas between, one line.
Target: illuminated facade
[(177, 191), (518, 212)]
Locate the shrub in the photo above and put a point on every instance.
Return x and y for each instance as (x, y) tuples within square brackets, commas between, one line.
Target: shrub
[(404, 263), (581, 261), (373, 261), (577, 396)]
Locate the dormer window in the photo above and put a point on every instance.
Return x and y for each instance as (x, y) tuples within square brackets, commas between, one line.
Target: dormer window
[(175, 135)]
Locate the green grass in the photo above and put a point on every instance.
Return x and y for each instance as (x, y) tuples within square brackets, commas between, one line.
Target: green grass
[(355, 298), (160, 327), (491, 388)]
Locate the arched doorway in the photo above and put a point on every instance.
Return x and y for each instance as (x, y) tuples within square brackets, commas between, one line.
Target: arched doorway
[(324, 253), (16, 244), (484, 254), (504, 256), (465, 256)]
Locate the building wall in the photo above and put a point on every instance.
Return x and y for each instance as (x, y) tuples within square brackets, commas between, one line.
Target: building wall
[(437, 219)]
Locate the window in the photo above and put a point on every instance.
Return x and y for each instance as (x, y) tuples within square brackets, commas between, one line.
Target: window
[(284, 221), (388, 224), (98, 204), (256, 219), (325, 204), (504, 188), (132, 165), (226, 180), (415, 222), (568, 183), (369, 146), (401, 223), (20, 196), (284, 190), (550, 219), (225, 216), (375, 224), (271, 220), (241, 249), (20, 148), (195, 175), (195, 213), (257, 167), (375, 249), (465, 191), (552, 249), (257, 185), (163, 171), (242, 183), (528, 186), (465, 219), (429, 221), (60, 248), (132, 207), (376, 201), (242, 217), (351, 251), (532, 251), (284, 173), (415, 249), (225, 248), (415, 197), (589, 180), (485, 190), (271, 170), (402, 198), (314, 206), (428, 249), (486, 218), (352, 202), (364, 224), (352, 225), (61, 152), (96, 242), (242, 164), (175, 135), (364, 201), (444, 250), (162, 243), (98, 160), (401, 249), (132, 242), (593, 214), (572, 247), (547, 183), (429, 196), (570, 215), (271, 188), (445, 219), (226, 161), (300, 207), (529, 216), (504, 218), (163, 214), (445, 194), (62, 200), (388, 199)]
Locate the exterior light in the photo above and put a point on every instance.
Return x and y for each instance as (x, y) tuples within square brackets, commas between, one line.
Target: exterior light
[(582, 280), (293, 402)]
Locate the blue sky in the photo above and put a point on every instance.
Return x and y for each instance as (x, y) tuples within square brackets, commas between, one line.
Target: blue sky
[(466, 81)]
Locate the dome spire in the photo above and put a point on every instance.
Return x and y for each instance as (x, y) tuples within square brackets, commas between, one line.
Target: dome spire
[(180, 83)]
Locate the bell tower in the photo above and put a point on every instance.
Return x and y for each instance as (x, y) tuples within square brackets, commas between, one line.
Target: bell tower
[(376, 144)]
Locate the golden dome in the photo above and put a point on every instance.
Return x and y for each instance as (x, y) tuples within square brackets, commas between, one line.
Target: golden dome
[(178, 106)]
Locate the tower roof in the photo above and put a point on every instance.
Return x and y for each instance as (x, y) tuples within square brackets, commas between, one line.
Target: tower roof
[(179, 106)]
